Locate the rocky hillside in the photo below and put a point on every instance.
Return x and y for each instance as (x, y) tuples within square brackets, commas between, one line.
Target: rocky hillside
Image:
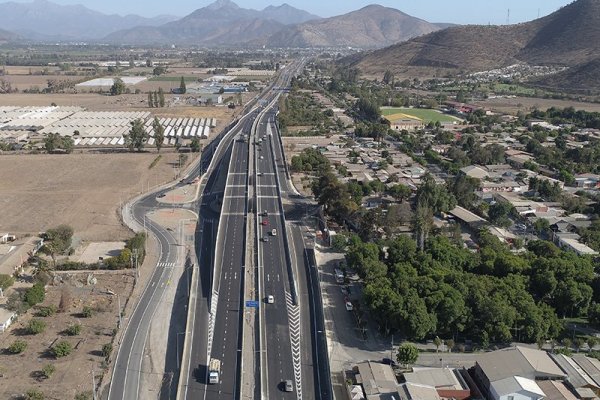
[(569, 37), (373, 26)]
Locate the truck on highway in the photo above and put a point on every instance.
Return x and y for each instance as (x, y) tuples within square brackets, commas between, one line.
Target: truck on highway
[(214, 370)]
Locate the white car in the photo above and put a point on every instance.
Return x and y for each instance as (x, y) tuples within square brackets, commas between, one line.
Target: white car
[(349, 306), (270, 299), (274, 232)]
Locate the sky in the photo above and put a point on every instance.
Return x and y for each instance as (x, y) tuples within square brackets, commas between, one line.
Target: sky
[(456, 11)]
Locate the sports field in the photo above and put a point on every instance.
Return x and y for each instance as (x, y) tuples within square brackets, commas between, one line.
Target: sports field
[(424, 114)]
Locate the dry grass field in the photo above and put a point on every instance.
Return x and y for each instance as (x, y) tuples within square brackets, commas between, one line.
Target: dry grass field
[(38, 192), (526, 104)]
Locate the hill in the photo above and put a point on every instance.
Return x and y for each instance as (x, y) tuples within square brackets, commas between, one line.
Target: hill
[(220, 23), (6, 36), (42, 20), (570, 36), (373, 26), (583, 77)]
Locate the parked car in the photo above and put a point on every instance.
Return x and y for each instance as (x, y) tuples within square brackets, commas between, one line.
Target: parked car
[(288, 386), (349, 306), (270, 299), (265, 222)]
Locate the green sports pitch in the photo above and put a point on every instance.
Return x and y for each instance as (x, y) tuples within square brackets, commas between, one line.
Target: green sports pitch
[(427, 115)]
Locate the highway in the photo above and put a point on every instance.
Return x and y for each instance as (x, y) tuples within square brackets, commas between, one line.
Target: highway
[(279, 317)]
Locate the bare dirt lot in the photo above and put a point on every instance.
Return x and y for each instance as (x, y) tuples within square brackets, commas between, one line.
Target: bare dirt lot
[(25, 82), (73, 373), (82, 190), (526, 104)]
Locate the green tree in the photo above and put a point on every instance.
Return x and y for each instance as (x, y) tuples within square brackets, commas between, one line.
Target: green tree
[(499, 213), (195, 145), (388, 77), (437, 343), (36, 326), (591, 342), (161, 97), (48, 370), (17, 347), (107, 350), (73, 330), (339, 243), (182, 87), (136, 139), (400, 192), (407, 354), (450, 345), (61, 349), (87, 312), (159, 133), (47, 311), (118, 87), (84, 396), (35, 294), (150, 100)]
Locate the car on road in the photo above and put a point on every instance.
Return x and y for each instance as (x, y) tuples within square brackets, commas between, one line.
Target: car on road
[(261, 157), (265, 213), (274, 232), (349, 306), (265, 221), (288, 386), (161, 195), (259, 174), (265, 238), (270, 299)]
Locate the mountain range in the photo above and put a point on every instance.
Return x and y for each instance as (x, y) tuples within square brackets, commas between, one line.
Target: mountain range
[(44, 20), (371, 26), (568, 37)]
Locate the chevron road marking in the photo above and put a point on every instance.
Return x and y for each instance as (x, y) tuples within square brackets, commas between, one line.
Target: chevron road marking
[(294, 321)]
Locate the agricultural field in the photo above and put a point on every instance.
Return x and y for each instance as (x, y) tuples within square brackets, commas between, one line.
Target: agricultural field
[(427, 115)]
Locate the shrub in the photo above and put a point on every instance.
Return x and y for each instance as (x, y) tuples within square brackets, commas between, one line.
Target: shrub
[(36, 326), (35, 294), (34, 394), (84, 396), (6, 281), (48, 370), (87, 312), (17, 347), (61, 349), (47, 311), (106, 350), (73, 330)]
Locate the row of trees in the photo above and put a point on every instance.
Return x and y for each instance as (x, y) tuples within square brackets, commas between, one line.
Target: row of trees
[(156, 99), (54, 142)]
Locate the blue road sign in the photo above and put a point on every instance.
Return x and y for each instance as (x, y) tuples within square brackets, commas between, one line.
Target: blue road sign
[(252, 303)]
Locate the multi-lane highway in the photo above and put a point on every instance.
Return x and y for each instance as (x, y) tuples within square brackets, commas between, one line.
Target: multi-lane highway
[(290, 344)]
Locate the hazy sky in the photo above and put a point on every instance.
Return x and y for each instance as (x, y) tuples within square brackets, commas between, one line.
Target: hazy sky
[(456, 11)]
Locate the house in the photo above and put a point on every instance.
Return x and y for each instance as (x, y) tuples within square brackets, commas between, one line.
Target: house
[(471, 220), (522, 362), (416, 391), (475, 171), (6, 318), (555, 390), (377, 379), (448, 382), (587, 181), (578, 378), (516, 387)]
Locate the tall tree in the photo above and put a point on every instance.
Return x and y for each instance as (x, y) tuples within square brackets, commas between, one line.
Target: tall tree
[(136, 139), (118, 87), (159, 133), (161, 97), (150, 100), (182, 87)]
